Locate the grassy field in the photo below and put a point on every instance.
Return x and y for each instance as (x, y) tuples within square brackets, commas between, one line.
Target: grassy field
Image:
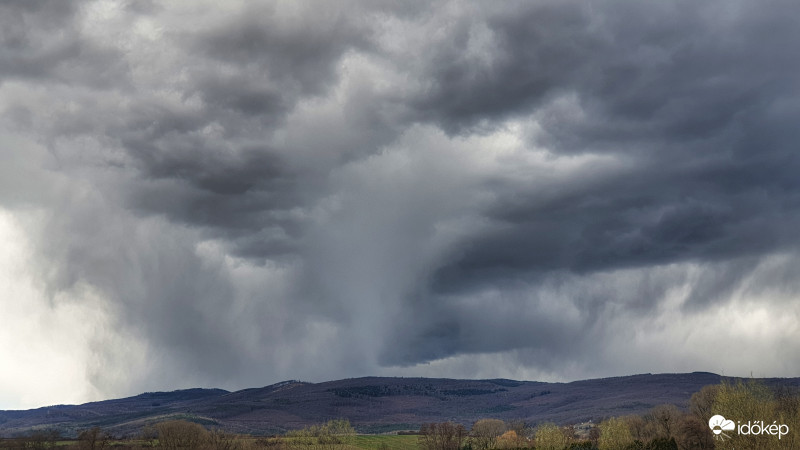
[(364, 441), (392, 442), (380, 441)]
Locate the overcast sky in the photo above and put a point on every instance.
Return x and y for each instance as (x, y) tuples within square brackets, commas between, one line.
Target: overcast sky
[(232, 194)]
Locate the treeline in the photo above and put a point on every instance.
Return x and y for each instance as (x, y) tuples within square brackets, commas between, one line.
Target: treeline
[(762, 418), (185, 435), (497, 434)]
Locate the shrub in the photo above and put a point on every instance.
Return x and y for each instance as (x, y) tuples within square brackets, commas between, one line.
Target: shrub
[(510, 439), (180, 434), (614, 435), (550, 437)]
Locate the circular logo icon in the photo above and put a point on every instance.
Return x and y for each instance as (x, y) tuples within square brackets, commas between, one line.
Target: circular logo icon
[(719, 425)]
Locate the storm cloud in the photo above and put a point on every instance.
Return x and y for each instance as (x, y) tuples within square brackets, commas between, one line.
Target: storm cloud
[(233, 194)]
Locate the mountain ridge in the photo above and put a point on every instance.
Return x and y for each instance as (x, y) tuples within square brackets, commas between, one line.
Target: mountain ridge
[(373, 404)]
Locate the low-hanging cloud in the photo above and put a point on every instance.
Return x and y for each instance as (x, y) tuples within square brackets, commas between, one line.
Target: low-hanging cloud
[(249, 192)]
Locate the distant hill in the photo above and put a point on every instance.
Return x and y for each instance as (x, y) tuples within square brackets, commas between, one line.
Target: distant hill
[(373, 404)]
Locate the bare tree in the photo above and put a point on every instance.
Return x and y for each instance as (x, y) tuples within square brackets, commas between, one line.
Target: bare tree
[(702, 402), (694, 433), (665, 420), (149, 434), (485, 432), (441, 436), (92, 439), (521, 428), (40, 439), (219, 440), (181, 434)]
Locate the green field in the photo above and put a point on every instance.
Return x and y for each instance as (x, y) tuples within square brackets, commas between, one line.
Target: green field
[(392, 442), (366, 441), (382, 441), (363, 441)]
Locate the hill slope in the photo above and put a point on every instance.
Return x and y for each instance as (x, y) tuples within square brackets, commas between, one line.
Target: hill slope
[(373, 404)]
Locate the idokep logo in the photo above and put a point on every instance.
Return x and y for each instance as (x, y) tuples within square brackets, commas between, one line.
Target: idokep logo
[(719, 425)]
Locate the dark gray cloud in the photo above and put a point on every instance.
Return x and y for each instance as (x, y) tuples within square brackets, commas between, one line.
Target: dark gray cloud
[(290, 190)]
